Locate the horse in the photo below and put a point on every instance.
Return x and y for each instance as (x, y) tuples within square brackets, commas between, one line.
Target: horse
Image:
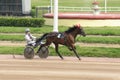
[(66, 38)]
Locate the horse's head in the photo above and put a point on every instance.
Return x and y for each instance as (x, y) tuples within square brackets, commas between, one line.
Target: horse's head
[(80, 30)]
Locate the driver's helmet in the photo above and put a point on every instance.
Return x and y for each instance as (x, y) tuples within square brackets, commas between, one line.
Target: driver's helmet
[(27, 30)]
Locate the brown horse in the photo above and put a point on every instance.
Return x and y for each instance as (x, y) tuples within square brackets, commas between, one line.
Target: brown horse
[(66, 38)]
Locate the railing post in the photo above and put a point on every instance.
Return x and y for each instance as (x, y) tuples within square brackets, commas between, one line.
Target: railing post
[(105, 6), (55, 27)]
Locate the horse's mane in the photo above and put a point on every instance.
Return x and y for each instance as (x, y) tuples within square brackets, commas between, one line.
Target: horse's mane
[(71, 29)]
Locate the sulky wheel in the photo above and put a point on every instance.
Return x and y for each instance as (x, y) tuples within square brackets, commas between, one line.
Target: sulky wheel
[(43, 53), (29, 52)]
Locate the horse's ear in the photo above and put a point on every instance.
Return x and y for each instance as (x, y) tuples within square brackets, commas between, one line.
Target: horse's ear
[(78, 25)]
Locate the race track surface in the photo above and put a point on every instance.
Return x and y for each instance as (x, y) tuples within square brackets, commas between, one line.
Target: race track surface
[(53, 68)]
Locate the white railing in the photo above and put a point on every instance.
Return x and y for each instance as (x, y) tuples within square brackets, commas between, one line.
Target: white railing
[(75, 9), (47, 9), (87, 9), (112, 9), (80, 9)]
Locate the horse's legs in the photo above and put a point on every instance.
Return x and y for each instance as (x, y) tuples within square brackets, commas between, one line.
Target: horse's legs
[(74, 50), (56, 49), (76, 54)]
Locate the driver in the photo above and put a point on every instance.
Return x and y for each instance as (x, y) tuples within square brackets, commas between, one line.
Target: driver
[(30, 39)]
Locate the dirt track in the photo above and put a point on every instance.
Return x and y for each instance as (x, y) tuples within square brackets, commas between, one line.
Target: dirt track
[(55, 69)]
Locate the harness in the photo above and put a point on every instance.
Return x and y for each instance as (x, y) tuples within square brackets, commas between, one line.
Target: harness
[(60, 35)]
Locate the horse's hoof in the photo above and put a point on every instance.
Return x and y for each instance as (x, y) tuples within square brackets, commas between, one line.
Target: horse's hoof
[(79, 58), (62, 58)]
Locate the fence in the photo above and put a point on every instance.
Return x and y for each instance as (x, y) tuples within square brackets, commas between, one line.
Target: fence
[(40, 10), (87, 9)]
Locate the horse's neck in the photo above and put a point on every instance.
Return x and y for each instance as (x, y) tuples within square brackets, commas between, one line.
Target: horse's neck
[(74, 33)]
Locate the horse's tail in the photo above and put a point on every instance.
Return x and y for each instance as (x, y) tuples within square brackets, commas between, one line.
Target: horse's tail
[(43, 37)]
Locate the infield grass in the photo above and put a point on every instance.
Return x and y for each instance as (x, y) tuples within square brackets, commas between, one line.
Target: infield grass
[(76, 3), (87, 39), (45, 29), (97, 31), (82, 51)]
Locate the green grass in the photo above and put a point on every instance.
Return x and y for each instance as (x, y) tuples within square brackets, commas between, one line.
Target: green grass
[(76, 3), (11, 50), (40, 3), (4, 29), (73, 3), (87, 39), (89, 52), (82, 51), (99, 52), (115, 31), (103, 31), (38, 30), (12, 37), (102, 39), (89, 30)]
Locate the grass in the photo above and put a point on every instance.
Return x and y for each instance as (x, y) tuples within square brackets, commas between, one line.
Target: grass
[(90, 52), (76, 3), (82, 51), (11, 50), (87, 39), (5, 29), (103, 31), (97, 39), (115, 31), (12, 37), (40, 3), (73, 3), (40, 30)]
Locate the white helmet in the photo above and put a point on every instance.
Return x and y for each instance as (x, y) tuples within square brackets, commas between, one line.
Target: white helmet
[(27, 30)]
